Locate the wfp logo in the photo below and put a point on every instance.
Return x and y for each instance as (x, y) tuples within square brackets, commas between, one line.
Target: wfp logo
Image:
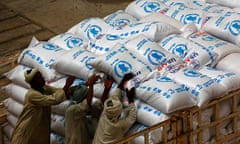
[(208, 38), (87, 61), (121, 68), (152, 7), (156, 57), (180, 50), (191, 73), (164, 79), (74, 42), (49, 46), (112, 37), (234, 28), (121, 22), (212, 69), (93, 31), (194, 18)]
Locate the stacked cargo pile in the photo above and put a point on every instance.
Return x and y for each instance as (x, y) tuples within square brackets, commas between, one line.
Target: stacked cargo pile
[(184, 53)]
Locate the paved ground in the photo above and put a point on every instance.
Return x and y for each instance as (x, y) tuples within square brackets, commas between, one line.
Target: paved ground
[(20, 20)]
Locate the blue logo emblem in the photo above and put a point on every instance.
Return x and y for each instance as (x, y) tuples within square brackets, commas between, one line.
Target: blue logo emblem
[(74, 42), (208, 38), (234, 28), (192, 73), (121, 68), (112, 37), (180, 50), (87, 61), (152, 7), (164, 79), (50, 46), (212, 69), (194, 18), (121, 22), (93, 31), (156, 57)]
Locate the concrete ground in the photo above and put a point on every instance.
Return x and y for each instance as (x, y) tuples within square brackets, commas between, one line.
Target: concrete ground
[(20, 20)]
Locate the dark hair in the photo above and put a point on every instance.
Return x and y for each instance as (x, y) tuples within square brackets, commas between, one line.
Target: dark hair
[(109, 103), (29, 71)]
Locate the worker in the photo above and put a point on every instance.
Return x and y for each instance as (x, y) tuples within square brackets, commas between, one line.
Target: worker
[(111, 126), (33, 125), (82, 116)]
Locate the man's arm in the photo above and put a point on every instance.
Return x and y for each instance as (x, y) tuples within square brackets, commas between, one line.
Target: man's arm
[(90, 82), (131, 111), (126, 78), (39, 99), (107, 87), (68, 83)]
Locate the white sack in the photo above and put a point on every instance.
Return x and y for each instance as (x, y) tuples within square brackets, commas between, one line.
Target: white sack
[(216, 9), (56, 138), (187, 15), (14, 107), (98, 86), (214, 44), (74, 62), (150, 52), (227, 3), (60, 108), (58, 124), (8, 130), (6, 140), (194, 54), (225, 27), (16, 92), (120, 61), (61, 82), (165, 95), (120, 18), (149, 115), (142, 8), (181, 4), (230, 63), (105, 43), (69, 41), (41, 56), (229, 80), (90, 28), (137, 127), (162, 18), (149, 29), (165, 25), (16, 75), (12, 120), (202, 87)]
